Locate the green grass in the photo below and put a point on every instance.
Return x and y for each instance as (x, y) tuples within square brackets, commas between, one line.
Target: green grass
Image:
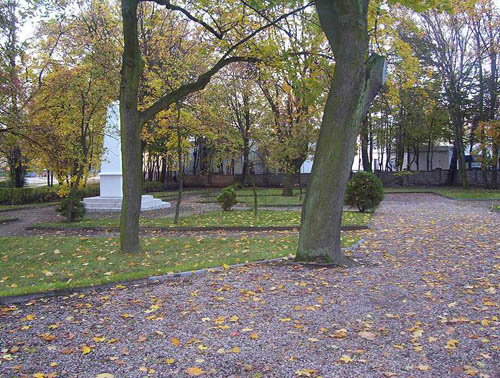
[(495, 208), (36, 264), (452, 192), (245, 218), (249, 192), (271, 200), (2, 219)]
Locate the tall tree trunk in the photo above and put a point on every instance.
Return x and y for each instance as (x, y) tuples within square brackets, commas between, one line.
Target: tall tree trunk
[(453, 168), (355, 84), (246, 163), (181, 170), (130, 131), (287, 185), (365, 158)]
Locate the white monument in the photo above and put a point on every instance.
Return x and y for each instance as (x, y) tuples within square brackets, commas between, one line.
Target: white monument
[(111, 180)]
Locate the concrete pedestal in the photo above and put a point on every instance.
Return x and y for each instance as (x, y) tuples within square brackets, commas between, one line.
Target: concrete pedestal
[(114, 204)]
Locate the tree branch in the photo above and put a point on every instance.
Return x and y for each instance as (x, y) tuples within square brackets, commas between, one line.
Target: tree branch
[(376, 67), (167, 4), (186, 89)]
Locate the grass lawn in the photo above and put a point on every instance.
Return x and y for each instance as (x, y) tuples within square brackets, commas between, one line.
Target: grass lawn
[(266, 218), (35, 264), (495, 208), (452, 192), (271, 200)]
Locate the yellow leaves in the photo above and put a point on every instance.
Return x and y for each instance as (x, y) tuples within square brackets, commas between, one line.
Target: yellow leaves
[(367, 335), (345, 359), (47, 273), (99, 339), (233, 318), (175, 341), (254, 336), (28, 317), (451, 344), (105, 375), (423, 367), (236, 349), (38, 375), (86, 349), (47, 337), (284, 320), (469, 370), (126, 316), (226, 267), (306, 372), (418, 333), (169, 361), (194, 371), (339, 334)]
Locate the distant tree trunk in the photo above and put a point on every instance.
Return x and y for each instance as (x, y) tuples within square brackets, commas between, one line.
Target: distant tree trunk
[(246, 163), (453, 168), (365, 158), (17, 168), (163, 174), (355, 84), (181, 169), (287, 185)]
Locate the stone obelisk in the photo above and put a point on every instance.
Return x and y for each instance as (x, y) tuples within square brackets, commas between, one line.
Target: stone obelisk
[(111, 181)]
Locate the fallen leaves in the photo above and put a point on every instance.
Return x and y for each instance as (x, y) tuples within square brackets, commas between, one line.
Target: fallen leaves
[(175, 341), (451, 344), (86, 349), (367, 335), (339, 334), (194, 371)]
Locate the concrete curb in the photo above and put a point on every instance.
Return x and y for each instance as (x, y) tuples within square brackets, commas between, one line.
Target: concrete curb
[(154, 280)]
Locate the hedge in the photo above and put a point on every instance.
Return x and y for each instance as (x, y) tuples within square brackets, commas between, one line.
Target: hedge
[(42, 194)]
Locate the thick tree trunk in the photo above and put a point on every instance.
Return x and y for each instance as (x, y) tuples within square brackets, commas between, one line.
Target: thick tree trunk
[(130, 132), (355, 83)]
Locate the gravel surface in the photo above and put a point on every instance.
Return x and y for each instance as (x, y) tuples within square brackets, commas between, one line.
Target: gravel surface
[(424, 304)]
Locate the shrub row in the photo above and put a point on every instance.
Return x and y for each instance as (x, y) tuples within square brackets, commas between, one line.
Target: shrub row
[(22, 196)]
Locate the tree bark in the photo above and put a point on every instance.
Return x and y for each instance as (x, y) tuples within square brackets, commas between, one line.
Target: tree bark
[(355, 84), (130, 131)]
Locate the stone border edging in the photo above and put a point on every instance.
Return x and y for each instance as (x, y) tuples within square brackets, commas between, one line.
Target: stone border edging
[(191, 229), (153, 280)]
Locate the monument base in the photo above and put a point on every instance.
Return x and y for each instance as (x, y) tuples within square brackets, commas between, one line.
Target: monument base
[(114, 204)]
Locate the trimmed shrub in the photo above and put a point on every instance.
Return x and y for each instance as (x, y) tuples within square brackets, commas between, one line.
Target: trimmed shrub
[(227, 198), (364, 191), (72, 206)]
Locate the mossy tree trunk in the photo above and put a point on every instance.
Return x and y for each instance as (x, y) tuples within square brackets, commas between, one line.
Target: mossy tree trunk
[(131, 126), (356, 82)]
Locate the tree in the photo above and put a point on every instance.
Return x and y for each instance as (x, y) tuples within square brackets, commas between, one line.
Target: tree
[(355, 83), (229, 39), (449, 36)]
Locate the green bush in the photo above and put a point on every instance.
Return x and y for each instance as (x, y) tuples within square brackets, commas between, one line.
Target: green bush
[(227, 198), (72, 207), (364, 191)]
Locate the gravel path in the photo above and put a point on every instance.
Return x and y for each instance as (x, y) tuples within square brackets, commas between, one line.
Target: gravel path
[(424, 304)]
